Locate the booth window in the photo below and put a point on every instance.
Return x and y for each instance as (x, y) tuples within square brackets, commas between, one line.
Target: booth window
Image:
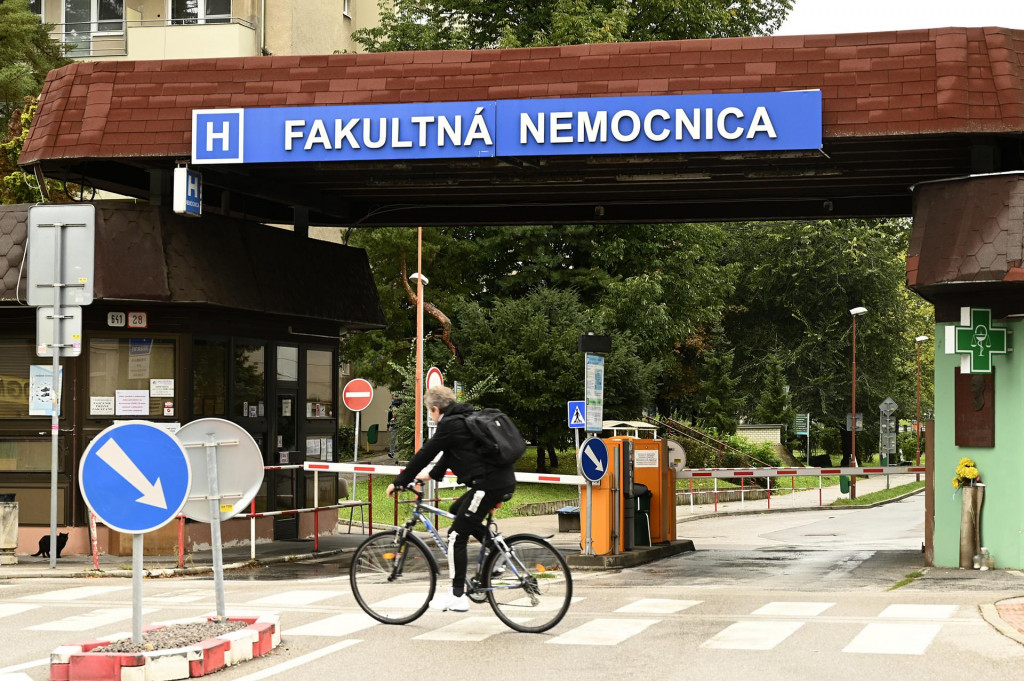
[(209, 377), (131, 377), (250, 374), (287, 364), (319, 384)]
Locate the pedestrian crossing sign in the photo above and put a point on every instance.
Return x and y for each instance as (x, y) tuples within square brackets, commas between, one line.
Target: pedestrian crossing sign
[(578, 414)]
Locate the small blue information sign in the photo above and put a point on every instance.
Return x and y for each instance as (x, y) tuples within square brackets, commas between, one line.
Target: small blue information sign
[(592, 459), (135, 477)]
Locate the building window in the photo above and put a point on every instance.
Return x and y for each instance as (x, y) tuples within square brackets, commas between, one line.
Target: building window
[(131, 377), (250, 376), (36, 6), (288, 363), (25, 380), (209, 377), (84, 18), (319, 384), (200, 11)]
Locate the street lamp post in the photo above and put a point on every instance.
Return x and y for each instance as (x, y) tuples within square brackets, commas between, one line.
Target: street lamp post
[(421, 281), (917, 343), (855, 312)]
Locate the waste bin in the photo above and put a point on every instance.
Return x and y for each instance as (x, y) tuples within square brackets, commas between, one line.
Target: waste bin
[(642, 515)]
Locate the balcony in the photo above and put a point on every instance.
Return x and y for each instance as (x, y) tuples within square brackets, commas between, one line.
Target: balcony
[(158, 39)]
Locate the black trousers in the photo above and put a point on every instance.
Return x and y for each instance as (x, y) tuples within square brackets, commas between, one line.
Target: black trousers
[(470, 510)]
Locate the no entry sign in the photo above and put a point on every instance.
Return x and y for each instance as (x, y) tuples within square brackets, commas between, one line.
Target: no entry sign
[(357, 394)]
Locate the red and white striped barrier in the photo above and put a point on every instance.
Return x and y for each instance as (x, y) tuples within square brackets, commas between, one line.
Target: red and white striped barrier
[(372, 469), (795, 472)]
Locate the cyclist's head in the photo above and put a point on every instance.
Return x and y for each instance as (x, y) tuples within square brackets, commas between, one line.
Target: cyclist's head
[(440, 397)]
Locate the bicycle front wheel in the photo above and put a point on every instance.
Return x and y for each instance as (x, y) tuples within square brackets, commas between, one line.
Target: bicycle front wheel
[(530, 588), (392, 581)]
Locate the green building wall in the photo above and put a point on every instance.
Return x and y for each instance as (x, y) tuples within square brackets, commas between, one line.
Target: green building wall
[(1001, 467)]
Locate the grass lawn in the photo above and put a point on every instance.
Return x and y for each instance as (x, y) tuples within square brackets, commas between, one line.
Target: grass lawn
[(880, 495)]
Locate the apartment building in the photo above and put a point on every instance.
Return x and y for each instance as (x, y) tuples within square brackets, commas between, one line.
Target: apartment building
[(195, 29)]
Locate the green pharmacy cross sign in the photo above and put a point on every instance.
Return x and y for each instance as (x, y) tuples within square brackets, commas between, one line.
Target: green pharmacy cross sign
[(977, 340)]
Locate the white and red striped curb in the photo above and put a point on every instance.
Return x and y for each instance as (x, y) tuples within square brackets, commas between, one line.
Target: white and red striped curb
[(796, 472), (77, 662)]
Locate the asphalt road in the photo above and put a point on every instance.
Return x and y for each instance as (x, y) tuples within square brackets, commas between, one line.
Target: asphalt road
[(772, 596)]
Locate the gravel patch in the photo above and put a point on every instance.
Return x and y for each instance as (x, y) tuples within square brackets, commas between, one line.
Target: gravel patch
[(173, 636)]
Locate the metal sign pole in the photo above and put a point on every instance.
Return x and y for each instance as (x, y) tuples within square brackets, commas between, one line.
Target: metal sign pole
[(55, 392), (136, 587), (215, 540), (355, 457)]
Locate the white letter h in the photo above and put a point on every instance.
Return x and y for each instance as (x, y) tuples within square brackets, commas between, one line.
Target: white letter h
[(222, 136)]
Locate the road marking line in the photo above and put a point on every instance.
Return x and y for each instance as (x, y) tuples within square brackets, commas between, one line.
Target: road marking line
[(763, 635), (919, 612), (299, 661), (15, 677), (893, 639), (298, 597), (603, 632), (337, 626), (793, 609), (658, 606)]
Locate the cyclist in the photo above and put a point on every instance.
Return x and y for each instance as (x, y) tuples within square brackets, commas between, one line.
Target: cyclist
[(487, 485)]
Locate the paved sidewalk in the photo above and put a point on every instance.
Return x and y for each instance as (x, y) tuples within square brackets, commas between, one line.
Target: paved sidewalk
[(1007, 616)]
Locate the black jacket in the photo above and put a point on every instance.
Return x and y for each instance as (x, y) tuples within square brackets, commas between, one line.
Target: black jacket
[(460, 454)]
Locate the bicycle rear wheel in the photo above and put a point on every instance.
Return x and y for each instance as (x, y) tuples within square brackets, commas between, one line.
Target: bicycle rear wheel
[(530, 589), (387, 592)]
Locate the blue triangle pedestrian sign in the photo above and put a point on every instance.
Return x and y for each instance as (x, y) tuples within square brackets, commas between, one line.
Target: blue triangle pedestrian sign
[(578, 414)]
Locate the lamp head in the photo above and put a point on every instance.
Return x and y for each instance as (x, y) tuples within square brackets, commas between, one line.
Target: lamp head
[(921, 339), (416, 275), (858, 311)]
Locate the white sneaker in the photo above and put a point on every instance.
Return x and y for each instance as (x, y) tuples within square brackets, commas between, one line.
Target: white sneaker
[(449, 601)]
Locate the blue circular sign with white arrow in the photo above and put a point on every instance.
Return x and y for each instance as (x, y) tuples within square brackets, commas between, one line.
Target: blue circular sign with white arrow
[(135, 477), (592, 459)]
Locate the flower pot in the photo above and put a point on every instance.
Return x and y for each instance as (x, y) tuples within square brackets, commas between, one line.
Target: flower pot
[(970, 524)]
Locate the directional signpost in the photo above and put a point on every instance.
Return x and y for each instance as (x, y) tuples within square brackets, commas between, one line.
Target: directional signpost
[(135, 477), (227, 466), (887, 433), (592, 464)]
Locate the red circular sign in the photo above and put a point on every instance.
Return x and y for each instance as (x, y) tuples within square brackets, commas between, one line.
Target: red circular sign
[(434, 378), (357, 394)]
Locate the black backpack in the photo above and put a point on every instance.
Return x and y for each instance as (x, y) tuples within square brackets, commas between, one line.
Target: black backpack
[(499, 442)]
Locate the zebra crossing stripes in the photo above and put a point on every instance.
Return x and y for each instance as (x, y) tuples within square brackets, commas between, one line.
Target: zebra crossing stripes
[(657, 606), (20, 676), (467, 629), (893, 638), (760, 635), (92, 620), (10, 609), (75, 593), (335, 627), (603, 632), (298, 597), (793, 609)]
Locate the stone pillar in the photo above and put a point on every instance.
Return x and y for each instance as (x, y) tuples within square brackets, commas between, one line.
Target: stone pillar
[(8, 531), (970, 524)]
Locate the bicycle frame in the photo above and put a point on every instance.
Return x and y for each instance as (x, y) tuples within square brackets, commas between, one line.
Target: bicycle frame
[(420, 514)]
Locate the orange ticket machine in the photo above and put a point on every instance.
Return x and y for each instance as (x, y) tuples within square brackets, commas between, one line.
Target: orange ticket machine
[(608, 514), (652, 468)]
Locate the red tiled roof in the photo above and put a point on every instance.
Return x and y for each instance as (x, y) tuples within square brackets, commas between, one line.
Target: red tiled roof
[(893, 83)]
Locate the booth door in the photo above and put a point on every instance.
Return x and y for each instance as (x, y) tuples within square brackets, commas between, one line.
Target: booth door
[(285, 483)]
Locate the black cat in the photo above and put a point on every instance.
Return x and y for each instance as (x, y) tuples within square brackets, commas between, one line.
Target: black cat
[(44, 545)]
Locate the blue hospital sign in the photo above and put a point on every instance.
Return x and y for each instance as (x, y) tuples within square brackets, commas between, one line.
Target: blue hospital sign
[(762, 121), (217, 135)]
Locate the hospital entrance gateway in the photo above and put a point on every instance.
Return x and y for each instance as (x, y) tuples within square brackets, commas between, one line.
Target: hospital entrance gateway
[(765, 128)]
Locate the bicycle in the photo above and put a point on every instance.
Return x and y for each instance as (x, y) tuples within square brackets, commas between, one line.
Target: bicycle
[(524, 578)]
